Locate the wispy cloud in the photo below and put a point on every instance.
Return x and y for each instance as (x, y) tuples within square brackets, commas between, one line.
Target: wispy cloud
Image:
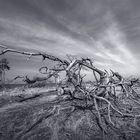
[(118, 51), (86, 28)]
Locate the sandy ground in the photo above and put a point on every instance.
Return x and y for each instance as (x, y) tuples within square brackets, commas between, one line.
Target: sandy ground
[(17, 117)]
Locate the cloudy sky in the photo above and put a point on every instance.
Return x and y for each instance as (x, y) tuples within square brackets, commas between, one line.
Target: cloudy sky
[(108, 31)]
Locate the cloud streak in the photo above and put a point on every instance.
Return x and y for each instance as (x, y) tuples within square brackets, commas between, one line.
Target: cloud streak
[(81, 28)]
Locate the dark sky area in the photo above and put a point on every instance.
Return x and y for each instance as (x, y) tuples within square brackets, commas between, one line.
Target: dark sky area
[(108, 31)]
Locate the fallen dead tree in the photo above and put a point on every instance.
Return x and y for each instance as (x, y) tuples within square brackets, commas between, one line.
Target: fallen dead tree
[(100, 99)]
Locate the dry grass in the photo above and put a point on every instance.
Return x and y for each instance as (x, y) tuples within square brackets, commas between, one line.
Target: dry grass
[(18, 117)]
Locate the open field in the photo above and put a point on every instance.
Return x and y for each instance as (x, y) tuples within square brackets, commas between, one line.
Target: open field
[(24, 114), (16, 115)]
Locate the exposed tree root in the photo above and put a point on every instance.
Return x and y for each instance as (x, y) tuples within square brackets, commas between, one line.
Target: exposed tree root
[(75, 94)]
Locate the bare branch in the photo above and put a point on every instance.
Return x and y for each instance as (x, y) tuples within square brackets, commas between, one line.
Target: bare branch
[(43, 55)]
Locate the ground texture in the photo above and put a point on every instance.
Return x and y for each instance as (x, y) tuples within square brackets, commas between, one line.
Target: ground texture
[(24, 114)]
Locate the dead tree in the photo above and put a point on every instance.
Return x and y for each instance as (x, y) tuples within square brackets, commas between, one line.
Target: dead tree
[(78, 96)]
